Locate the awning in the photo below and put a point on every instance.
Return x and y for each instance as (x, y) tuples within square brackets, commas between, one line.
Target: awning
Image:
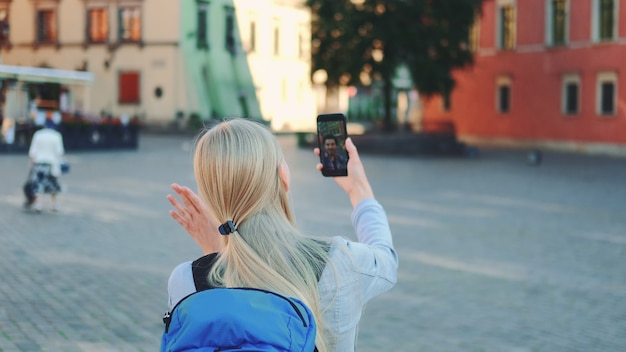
[(41, 75)]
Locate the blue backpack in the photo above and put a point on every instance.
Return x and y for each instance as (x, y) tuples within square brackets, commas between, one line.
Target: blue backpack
[(238, 319)]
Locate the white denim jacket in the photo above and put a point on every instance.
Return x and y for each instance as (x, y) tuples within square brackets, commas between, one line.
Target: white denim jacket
[(358, 272)]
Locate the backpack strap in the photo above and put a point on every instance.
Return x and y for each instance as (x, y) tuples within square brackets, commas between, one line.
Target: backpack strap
[(200, 269)]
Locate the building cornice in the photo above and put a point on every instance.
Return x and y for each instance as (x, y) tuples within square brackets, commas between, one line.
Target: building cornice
[(111, 46), (534, 48)]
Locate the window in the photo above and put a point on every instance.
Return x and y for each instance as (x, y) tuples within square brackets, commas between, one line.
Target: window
[(276, 41), (558, 22), (4, 23), (571, 94), (503, 94), (202, 30), (129, 24), (606, 93), (252, 39), (129, 87), (46, 26), (474, 35), (97, 25), (230, 31), (506, 19), (607, 16), (303, 40), (604, 20), (283, 89), (607, 98)]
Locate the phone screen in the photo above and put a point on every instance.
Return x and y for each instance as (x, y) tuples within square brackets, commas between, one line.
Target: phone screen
[(331, 136)]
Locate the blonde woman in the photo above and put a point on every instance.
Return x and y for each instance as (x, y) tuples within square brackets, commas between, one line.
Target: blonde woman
[(243, 183)]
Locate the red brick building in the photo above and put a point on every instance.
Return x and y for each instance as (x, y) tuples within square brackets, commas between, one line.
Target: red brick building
[(547, 73)]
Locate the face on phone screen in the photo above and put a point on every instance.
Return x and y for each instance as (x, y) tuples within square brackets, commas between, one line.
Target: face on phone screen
[(331, 132)]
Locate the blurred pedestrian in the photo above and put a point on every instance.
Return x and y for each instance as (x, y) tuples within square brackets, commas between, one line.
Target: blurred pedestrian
[(46, 155)]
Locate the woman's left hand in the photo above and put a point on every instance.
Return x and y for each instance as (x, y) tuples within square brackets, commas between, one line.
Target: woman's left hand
[(196, 218)]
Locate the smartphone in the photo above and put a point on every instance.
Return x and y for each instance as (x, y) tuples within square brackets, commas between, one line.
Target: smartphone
[(331, 137)]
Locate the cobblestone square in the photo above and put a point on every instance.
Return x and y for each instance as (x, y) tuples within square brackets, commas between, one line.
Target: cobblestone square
[(495, 255)]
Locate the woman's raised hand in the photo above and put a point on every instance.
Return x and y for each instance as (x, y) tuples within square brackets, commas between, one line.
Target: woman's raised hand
[(355, 184), (196, 218)]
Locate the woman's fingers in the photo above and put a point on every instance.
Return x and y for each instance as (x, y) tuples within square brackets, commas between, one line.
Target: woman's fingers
[(178, 219), (188, 197), (319, 165), (351, 148), (184, 213), (196, 218), (175, 203)]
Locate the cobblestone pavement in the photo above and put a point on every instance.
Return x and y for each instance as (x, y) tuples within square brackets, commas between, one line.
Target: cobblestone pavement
[(495, 255)]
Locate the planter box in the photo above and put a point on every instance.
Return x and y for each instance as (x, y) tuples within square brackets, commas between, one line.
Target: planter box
[(81, 137)]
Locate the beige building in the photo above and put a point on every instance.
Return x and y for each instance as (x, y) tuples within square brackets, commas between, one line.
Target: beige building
[(165, 61)]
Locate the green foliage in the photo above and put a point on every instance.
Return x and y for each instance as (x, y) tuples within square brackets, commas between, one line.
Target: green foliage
[(430, 36)]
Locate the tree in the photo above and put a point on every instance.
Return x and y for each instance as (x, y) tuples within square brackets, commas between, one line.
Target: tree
[(357, 40)]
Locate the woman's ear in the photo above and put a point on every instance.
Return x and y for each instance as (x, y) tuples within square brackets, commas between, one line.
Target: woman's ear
[(283, 173)]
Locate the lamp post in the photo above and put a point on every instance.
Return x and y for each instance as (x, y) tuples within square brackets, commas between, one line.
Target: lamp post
[(4, 35), (5, 30)]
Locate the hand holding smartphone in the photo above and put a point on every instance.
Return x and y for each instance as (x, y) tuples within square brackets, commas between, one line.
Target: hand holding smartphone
[(331, 136)]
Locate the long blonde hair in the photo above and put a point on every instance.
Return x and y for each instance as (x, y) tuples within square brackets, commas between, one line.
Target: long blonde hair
[(236, 166)]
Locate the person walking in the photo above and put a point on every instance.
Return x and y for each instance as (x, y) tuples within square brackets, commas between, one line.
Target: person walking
[(243, 223), (46, 152)]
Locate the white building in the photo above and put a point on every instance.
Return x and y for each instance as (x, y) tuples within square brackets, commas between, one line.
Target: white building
[(276, 35)]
